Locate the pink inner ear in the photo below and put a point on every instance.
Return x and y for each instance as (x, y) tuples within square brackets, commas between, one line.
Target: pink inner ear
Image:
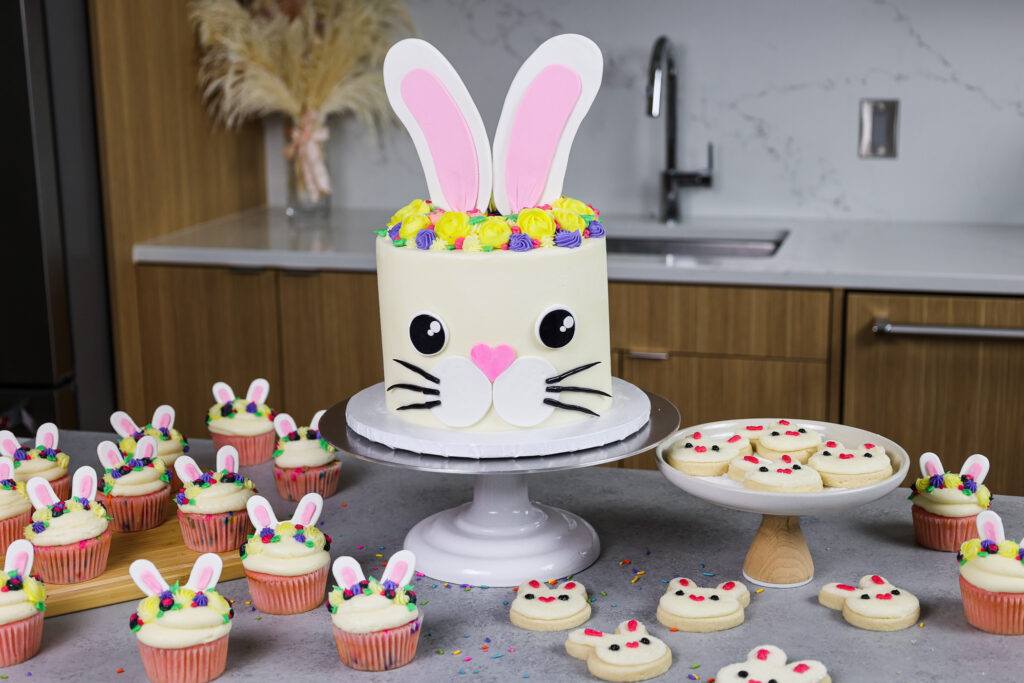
[(127, 427), (48, 440), (449, 139), (86, 488), (990, 531), (932, 468), (396, 569), (10, 446), (43, 494), (288, 426), (539, 121), (205, 573), (193, 472), (348, 575), (229, 463), (257, 395), (6, 472), (225, 396), (165, 421), (21, 562), (147, 450), (152, 583), (975, 470), (307, 513), (262, 517)]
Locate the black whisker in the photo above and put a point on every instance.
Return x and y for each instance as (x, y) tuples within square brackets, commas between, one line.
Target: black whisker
[(418, 406), (567, 406), (413, 387), (582, 390), (568, 373), (418, 370)]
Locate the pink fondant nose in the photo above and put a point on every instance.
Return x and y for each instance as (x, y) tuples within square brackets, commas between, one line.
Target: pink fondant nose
[(492, 360)]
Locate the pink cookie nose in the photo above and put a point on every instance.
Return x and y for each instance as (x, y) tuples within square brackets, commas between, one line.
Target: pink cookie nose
[(492, 360)]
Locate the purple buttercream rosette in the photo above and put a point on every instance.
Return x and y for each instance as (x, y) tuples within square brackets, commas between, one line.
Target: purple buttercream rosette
[(569, 239), (424, 239), (393, 231), (596, 229), (520, 242)]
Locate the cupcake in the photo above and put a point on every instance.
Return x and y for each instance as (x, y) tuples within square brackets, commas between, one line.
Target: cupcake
[(286, 563), (245, 423), (992, 579), (71, 537), (136, 488), (211, 505), (946, 505), (22, 603), (303, 461), (171, 444), (45, 460), (376, 624), (15, 507), (182, 631)]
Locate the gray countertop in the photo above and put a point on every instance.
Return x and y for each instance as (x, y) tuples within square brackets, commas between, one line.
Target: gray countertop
[(920, 257), (641, 517)]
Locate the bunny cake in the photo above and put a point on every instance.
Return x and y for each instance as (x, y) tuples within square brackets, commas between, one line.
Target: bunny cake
[(687, 607), (245, 423), (786, 437), (704, 457), (212, 505), (136, 487), (286, 563), (629, 654), (543, 607), (848, 468), (494, 320), (992, 578), (873, 605), (171, 444), (71, 537), (44, 460), (182, 631), (784, 476), (304, 462), (767, 663), (15, 507), (946, 505), (22, 603), (376, 624)]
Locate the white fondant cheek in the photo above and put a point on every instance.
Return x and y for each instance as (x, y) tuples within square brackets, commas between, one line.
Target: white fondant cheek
[(465, 392), (519, 392)]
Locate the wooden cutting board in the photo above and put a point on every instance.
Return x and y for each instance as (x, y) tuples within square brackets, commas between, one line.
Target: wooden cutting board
[(162, 546)]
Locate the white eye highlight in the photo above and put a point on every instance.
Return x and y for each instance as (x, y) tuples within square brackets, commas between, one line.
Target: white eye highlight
[(556, 326)]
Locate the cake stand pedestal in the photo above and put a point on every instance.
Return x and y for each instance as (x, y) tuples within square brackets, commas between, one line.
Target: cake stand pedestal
[(779, 556), (501, 537)]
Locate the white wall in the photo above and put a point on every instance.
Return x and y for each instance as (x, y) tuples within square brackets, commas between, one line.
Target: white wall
[(775, 84)]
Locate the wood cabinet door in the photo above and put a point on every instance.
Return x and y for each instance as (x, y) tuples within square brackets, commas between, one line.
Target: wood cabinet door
[(951, 395), (330, 338), (201, 325)]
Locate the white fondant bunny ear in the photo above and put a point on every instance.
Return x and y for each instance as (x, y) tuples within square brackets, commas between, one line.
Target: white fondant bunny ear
[(315, 422), (147, 577), (976, 466), (187, 469), (545, 105), (163, 417), (9, 444), (400, 568), (990, 527), (146, 448), (40, 493), (6, 468), (258, 391), (46, 435), (123, 424), (309, 509), (205, 572), (261, 513), (284, 424), (83, 484), (227, 459), (347, 571), (432, 102), (110, 455), (19, 557), (931, 465), (223, 393)]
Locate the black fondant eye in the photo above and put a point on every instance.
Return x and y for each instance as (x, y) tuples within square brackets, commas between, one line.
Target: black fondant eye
[(775, 433), (680, 593), (796, 467), (865, 596), (645, 641), (714, 597), (714, 448), (742, 674), (556, 327), (427, 333), (613, 647), (763, 469), (529, 596), (563, 597), (802, 430), (895, 591)]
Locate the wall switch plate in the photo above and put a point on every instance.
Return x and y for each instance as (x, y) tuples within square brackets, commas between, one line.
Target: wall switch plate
[(878, 128)]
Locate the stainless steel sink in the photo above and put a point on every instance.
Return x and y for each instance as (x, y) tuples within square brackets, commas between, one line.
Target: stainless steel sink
[(705, 246)]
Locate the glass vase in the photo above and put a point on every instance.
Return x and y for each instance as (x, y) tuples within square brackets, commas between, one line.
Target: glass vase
[(309, 183)]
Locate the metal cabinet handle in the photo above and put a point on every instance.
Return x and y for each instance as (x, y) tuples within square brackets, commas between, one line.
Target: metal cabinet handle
[(882, 326), (648, 355)]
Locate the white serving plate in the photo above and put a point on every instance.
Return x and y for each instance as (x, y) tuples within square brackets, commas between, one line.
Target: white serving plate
[(728, 493)]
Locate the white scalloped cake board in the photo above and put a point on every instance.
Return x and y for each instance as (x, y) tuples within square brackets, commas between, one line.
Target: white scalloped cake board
[(368, 416)]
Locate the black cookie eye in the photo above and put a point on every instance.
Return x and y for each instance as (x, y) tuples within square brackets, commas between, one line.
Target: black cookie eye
[(826, 452), (427, 334), (895, 591), (867, 455), (865, 596), (613, 647), (645, 641), (742, 674), (714, 597), (773, 680), (529, 596), (687, 445), (796, 467), (563, 597), (556, 327), (775, 433), (802, 430), (680, 593), (714, 448), (763, 469)]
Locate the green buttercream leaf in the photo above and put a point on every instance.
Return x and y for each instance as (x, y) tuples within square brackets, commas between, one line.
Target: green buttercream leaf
[(477, 219), (381, 232), (400, 242), (486, 248)]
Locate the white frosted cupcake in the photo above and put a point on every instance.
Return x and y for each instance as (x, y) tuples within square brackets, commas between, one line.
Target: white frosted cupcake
[(136, 488), (245, 423), (15, 507), (304, 462), (170, 443), (44, 460), (992, 578), (946, 505), (212, 505)]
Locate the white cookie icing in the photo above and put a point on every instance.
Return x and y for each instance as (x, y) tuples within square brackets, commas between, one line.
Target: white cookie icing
[(766, 663), (540, 601), (842, 460), (630, 646), (783, 476), (698, 448), (873, 597), (785, 436), (739, 467), (685, 599)]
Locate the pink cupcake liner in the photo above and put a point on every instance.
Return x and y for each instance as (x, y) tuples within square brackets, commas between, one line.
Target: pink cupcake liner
[(287, 594), (20, 640), (295, 482), (62, 486), (195, 664), (943, 533), (13, 528), (1001, 613), (219, 533), (252, 450), (74, 562), (380, 650), (137, 513)]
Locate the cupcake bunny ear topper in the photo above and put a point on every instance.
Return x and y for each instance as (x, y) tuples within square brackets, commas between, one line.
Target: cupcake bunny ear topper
[(19, 557), (990, 527), (46, 436), (261, 512), (976, 467), (163, 417), (6, 468), (227, 459), (284, 424), (123, 424), (931, 465), (83, 484), (40, 493), (259, 388), (187, 469), (400, 568), (110, 455), (315, 422), (308, 511), (9, 444), (204, 576)]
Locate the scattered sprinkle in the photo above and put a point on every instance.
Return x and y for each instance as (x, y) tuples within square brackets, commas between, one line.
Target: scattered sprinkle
[(664, 580), (635, 579), (604, 594), (378, 555), (485, 587), (487, 640), (440, 651), (759, 590), (614, 605), (921, 625), (259, 618), (708, 573), (344, 505), (624, 562), (466, 636), (248, 602), (380, 547), (673, 629), (505, 602), (693, 677), (483, 647), (360, 547), (119, 671), (511, 649), (702, 565), (468, 659), (497, 656), (695, 666), (462, 671), (457, 652)]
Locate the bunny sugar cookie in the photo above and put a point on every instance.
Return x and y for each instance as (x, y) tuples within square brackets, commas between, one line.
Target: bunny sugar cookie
[(767, 663), (783, 476), (44, 460), (874, 605), (848, 468), (784, 437), (687, 607), (701, 456), (629, 654), (545, 607)]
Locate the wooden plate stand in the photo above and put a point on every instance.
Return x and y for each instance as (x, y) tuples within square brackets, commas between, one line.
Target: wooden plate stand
[(779, 556)]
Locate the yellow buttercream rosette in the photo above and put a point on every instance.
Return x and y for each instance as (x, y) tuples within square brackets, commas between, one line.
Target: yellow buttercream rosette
[(573, 205), (569, 220), (536, 223), (452, 225), (412, 225), (415, 207), (494, 232)]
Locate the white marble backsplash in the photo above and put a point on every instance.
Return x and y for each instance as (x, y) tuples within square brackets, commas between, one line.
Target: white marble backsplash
[(774, 85)]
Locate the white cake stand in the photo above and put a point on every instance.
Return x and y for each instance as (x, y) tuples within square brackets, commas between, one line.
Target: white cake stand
[(502, 538), (779, 556)]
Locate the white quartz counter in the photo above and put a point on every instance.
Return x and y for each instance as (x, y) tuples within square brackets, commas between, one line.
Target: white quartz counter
[(919, 257)]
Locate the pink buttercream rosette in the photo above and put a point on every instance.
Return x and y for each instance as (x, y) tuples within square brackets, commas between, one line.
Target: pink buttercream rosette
[(215, 533), (295, 482), (287, 594), (137, 513), (195, 664), (21, 640), (252, 450), (74, 562), (378, 650)]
